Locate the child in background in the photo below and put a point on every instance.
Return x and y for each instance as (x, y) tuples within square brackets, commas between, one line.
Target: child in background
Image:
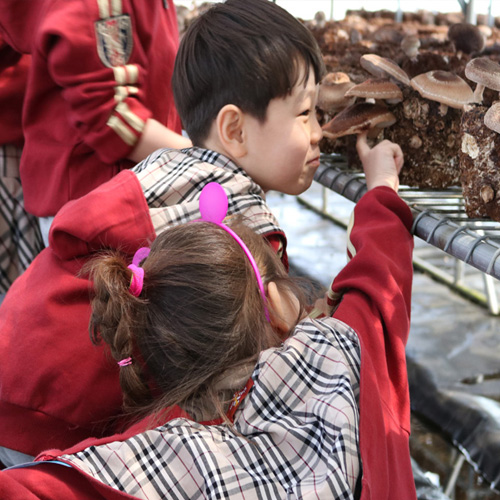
[(56, 388), (20, 238), (251, 398), (98, 99)]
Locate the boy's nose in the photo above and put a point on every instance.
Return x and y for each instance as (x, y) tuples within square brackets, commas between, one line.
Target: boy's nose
[(316, 131)]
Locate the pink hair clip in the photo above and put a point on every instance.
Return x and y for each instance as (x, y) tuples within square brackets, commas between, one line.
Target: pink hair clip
[(213, 208), (124, 362), (137, 281)]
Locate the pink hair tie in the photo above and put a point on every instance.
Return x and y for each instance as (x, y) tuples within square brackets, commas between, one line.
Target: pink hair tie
[(213, 208), (137, 281), (124, 362)]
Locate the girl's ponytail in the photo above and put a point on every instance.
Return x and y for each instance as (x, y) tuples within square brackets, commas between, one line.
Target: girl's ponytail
[(115, 311)]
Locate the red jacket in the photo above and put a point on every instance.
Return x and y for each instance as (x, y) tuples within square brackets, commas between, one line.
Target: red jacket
[(100, 69), (13, 77), (376, 288)]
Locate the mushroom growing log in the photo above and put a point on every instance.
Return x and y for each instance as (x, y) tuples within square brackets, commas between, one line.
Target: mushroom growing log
[(480, 160), (429, 140)]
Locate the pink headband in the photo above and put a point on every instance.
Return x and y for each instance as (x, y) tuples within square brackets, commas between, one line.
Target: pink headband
[(213, 208), (137, 280)]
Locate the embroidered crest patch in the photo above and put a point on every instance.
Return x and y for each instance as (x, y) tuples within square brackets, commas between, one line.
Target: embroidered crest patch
[(114, 40)]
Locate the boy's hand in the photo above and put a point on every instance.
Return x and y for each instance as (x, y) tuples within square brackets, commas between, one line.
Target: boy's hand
[(381, 164)]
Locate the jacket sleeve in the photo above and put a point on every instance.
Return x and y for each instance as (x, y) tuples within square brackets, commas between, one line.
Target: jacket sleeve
[(96, 57), (375, 292), (49, 482)]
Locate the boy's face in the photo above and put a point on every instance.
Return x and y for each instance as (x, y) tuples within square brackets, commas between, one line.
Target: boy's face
[(283, 152)]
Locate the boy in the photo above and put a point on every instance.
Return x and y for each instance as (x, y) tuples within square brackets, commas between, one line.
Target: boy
[(56, 388)]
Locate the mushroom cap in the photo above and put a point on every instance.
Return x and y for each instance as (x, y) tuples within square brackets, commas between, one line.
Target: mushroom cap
[(486, 31), (387, 34), (335, 77), (484, 71), (410, 45), (358, 118), (320, 16), (466, 37), (444, 87), (376, 88), (331, 96), (383, 67), (492, 117)]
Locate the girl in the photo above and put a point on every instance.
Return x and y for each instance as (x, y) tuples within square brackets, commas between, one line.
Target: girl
[(243, 395)]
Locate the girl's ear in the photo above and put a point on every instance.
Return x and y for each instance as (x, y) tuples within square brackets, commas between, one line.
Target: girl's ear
[(230, 130), (275, 300)]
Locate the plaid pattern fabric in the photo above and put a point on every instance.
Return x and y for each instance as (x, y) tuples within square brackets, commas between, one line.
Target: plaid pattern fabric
[(20, 237), (297, 433), (172, 181)]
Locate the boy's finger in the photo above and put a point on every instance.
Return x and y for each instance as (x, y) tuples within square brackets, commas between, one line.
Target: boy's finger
[(398, 157), (362, 144)]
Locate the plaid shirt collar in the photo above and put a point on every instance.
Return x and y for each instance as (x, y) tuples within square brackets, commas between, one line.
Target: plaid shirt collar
[(217, 160), (172, 181)]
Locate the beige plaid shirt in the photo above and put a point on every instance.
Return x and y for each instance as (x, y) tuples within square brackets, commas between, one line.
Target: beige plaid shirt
[(297, 433)]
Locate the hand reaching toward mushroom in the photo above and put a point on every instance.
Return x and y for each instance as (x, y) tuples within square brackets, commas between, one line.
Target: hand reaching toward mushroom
[(381, 164)]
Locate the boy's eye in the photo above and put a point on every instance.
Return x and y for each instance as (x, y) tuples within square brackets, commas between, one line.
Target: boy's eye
[(306, 112)]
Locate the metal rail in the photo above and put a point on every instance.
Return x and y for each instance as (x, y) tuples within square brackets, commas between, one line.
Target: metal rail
[(440, 221)]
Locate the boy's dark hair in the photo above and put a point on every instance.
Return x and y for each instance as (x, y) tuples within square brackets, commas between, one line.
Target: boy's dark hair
[(241, 52)]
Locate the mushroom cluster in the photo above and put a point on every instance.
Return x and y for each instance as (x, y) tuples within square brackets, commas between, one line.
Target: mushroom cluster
[(421, 114), (371, 113), (431, 89)]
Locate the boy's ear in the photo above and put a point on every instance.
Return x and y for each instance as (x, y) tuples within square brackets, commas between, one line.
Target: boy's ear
[(230, 128)]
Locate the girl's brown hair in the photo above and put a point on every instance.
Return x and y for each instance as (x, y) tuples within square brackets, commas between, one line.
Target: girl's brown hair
[(200, 315)]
